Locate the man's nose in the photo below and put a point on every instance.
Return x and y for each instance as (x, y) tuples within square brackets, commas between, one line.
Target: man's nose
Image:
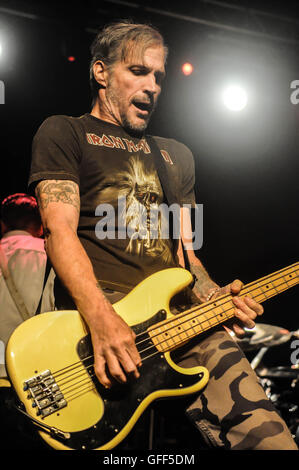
[(151, 86)]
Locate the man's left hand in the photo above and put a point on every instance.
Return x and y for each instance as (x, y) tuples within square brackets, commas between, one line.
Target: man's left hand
[(246, 311)]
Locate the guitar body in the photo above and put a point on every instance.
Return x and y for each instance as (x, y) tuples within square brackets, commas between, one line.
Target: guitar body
[(55, 348)]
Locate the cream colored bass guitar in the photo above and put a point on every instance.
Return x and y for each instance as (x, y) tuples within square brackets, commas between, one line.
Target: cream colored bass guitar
[(49, 359)]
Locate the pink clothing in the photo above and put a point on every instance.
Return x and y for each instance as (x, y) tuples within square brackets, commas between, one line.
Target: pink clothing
[(27, 263)]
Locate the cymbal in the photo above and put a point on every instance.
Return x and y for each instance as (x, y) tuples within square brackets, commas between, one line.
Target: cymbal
[(263, 335)]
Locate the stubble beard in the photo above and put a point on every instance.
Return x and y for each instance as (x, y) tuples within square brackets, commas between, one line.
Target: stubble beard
[(124, 121)]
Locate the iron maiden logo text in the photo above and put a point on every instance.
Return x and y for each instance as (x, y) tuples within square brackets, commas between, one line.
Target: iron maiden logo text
[(118, 143), (150, 223)]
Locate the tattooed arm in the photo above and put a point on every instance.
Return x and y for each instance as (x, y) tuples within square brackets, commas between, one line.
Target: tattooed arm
[(112, 339), (204, 285), (246, 308)]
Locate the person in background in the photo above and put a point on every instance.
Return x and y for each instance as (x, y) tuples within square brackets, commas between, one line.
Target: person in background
[(23, 247)]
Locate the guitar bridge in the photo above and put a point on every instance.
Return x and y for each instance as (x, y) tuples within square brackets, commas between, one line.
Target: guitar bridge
[(45, 394)]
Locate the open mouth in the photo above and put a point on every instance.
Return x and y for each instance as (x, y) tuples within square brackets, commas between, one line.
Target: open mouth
[(143, 106)]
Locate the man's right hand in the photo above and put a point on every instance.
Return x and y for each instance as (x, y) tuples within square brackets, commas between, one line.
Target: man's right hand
[(115, 352)]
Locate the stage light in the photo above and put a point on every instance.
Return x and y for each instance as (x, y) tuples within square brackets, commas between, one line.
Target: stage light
[(234, 98), (187, 68), (71, 58)]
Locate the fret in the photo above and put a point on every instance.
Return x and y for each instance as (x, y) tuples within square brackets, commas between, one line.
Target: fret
[(189, 328), (196, 325), (291, 280), (265, 288), (253, 292), (175, 333), (171, 331), (191, 325), (274, 294), (207, 316), (276, 278), (272, 285), (275, 289), (224, 315), (286, 288), (181, 332), (204, 323), (278, 283), (288, 276), (160, 338), (268, 289), (218, 312), (192, 322)]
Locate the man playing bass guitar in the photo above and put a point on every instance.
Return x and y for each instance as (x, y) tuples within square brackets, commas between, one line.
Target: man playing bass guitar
[(103, 159)]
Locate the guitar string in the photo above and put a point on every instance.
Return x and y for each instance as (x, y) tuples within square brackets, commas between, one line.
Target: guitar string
[(84, 386), (226, 298), (91, 375), (217, 304), (85, 382), (139, 342), (78, 364), (82, 392), (171, 320), (190, 311), (147, 357), (78, 385)]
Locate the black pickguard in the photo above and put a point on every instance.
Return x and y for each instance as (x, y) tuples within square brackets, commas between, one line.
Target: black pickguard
[(122, 400)]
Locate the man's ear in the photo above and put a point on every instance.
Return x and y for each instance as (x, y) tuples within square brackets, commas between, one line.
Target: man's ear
[(100, 73)]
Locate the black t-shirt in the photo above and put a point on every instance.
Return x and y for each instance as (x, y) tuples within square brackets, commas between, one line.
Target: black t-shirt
[(120, 192)]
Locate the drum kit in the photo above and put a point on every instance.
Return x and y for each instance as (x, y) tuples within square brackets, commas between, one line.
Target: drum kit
[(280, 383)]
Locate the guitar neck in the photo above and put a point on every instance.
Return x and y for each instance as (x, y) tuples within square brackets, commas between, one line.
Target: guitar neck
[(171, 333)]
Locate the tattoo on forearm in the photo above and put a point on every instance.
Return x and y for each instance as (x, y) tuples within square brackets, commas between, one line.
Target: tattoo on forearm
[(58, 191), (204, 284)]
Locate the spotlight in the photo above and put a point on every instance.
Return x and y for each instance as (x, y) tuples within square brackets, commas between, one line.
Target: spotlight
[(71, 58), (234, 98), (187, 68)]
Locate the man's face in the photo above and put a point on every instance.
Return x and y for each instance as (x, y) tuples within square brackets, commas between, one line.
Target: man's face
[(133, 90)]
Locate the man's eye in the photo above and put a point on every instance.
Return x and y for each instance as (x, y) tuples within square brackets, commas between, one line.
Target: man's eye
[(137, 71)]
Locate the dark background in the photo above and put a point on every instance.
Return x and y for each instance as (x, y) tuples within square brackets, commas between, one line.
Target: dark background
[(246, 162)]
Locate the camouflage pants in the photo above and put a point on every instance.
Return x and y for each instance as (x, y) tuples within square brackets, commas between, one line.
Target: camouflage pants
[(233, 412)]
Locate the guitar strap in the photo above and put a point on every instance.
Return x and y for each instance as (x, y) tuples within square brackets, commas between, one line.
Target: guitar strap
[(167, 188), (47, 272), (164, 178), (162, 172)]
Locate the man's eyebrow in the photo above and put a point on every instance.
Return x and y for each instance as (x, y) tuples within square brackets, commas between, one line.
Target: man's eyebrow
[(145, 68), (138, 65), (159, 73)]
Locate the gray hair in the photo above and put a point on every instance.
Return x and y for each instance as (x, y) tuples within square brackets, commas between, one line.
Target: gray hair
[(114, 43)]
